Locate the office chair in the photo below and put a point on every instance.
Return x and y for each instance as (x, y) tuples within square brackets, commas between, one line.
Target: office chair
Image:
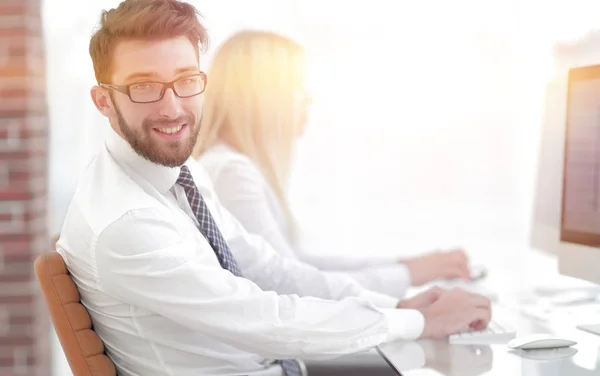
[(81, 344)]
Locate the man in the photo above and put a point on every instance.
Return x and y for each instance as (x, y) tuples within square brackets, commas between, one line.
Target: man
[(151, 250)]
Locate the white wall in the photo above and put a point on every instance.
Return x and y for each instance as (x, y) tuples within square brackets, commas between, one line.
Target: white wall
[(425, 127)]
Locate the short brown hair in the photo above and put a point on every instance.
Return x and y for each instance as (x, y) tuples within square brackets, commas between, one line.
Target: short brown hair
[(143, 19)]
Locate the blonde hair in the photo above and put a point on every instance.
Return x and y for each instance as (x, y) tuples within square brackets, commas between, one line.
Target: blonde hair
[(249, 103)]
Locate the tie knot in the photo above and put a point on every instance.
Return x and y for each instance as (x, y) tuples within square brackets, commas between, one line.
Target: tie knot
[(185, 178)]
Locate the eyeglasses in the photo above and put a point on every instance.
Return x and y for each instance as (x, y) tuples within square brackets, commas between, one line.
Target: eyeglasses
[(149, 92)]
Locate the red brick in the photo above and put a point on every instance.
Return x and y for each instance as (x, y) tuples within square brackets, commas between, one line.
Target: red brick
[(7, 356), (25, 162), (36, 144), (13, 21), (13, 93), (20, 299), (20, 185), (20, 107), (14, 278), (15, 246), (14, 238), (16, 341), (31, 130), (21, 320), (14, 254), (19, 289), (18, 263), (8, 361), (14, 69), (15, 47), (12, 32), (12, 87), (14, 195), (21, 330), (14, 7), (36, 225), (34, 215), (13, 83), (14, 155), (36, 123), (23, 159), (22, 310), (13, 107), (19, 176), (22, 48)]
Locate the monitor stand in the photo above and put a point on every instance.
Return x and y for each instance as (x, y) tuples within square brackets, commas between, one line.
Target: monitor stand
[(574, 297), (594, 329), (591, 328), (579, 297)]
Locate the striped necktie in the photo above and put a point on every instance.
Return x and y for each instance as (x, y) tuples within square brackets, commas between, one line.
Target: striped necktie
[(211, 232)]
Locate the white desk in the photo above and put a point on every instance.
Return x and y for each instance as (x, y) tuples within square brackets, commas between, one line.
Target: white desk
[(436, 358), (514, 281)]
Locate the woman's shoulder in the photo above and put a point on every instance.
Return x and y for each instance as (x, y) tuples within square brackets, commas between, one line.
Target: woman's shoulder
[(223, 159)]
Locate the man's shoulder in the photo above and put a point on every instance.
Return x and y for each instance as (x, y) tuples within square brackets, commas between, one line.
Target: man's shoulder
[(105, 193)]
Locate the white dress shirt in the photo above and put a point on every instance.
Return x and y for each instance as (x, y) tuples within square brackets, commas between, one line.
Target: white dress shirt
[(245, 193), (162, 303)]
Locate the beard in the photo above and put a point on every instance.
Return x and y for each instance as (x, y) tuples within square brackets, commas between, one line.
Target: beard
[(166, 153)]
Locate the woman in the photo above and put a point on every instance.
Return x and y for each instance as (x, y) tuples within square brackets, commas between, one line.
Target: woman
[(255, 109)]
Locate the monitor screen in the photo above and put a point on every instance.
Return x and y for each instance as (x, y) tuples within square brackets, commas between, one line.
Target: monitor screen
[(580, 219)]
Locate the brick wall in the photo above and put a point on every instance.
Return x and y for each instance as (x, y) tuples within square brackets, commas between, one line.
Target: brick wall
[(24, 325)]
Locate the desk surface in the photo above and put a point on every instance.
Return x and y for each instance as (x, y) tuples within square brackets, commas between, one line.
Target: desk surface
[(438, 358), (435, 358)]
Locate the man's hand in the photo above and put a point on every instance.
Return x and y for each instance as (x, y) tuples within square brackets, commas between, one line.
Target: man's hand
[(422, 300), (455, 311), (438, 265)]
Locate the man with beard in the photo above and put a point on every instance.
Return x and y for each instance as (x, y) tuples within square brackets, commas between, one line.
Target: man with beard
[(174, 285)]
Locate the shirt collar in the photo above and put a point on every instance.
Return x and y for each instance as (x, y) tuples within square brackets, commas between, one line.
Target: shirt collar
[(161, 177)]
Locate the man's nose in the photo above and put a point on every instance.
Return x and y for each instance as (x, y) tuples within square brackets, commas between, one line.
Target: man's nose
[(170, 105)]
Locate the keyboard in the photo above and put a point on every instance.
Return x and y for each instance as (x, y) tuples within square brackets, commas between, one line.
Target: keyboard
[(495, 333)]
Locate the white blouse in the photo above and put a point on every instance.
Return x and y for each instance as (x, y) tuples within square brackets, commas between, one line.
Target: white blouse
[(244, 191)]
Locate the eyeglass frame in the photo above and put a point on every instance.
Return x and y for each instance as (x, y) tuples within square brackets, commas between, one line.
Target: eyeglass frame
[(125, 89)]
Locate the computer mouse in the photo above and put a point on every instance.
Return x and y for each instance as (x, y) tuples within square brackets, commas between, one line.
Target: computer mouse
[(539, 341), (545, 354), (478, 272)]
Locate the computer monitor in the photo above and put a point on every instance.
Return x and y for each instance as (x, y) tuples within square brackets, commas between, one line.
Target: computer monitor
[(579, 246), (545, 224), (569, 177), (566, 212), (568, 168), (581, 55)]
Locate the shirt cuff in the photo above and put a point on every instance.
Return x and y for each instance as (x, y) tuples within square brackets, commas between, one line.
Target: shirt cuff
[(378, 299), (406, 324), (403, 270), (395, 279)]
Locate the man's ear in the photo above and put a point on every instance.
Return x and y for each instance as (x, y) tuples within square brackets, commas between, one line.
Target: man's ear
[(103, 102)]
